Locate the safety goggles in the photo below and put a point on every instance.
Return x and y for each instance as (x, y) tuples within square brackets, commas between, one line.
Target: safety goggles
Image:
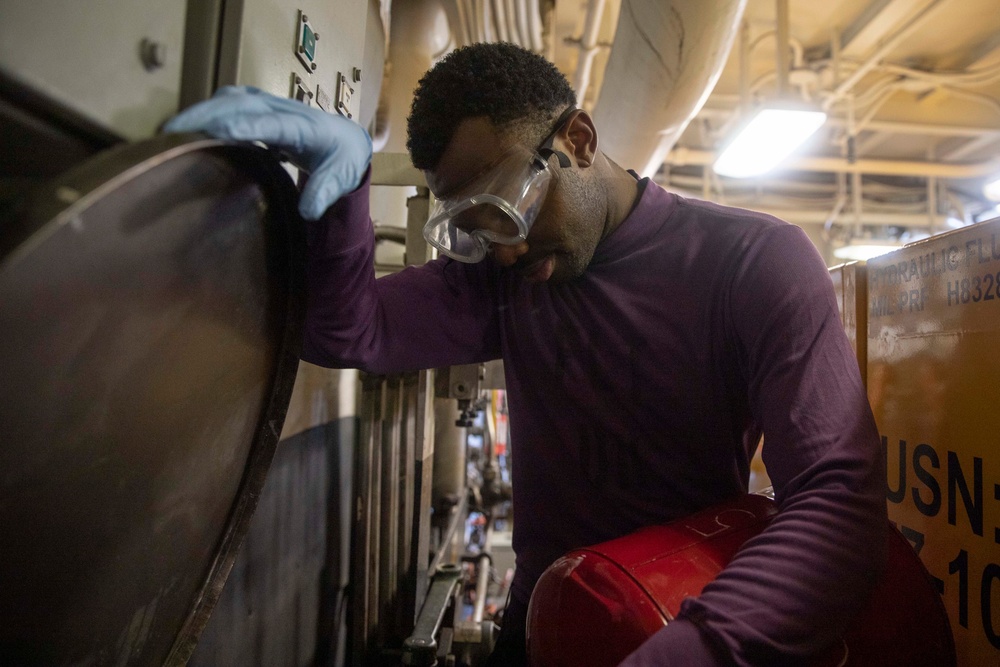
[(498, 206)]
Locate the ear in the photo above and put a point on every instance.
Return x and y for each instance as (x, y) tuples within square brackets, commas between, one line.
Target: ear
[(580, 136)]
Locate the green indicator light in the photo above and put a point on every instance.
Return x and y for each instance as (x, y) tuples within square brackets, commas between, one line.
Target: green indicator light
[(309, 42)]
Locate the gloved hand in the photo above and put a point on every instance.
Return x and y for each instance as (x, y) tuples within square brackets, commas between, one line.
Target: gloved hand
[(334, 150)]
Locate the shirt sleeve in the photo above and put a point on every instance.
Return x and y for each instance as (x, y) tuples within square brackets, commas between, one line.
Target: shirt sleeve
[(790, 591), (439, 314)]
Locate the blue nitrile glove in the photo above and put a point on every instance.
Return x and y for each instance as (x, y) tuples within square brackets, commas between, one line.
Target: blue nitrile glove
[(334, 150)]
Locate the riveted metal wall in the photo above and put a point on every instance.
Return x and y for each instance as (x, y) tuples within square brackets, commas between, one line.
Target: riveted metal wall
[(933, 378)]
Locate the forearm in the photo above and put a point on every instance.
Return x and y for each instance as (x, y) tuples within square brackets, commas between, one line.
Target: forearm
[(790, 591), (340, 282), (786, 597), (440, 314)]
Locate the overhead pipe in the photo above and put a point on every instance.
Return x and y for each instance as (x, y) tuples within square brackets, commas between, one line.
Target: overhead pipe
[(851, 155), (838, 206), (687, 156), (458, 22), (500, 20), (745, 49), (523, 23), (514, 21), (970, 147), (419, 33), (932, 129), (822, 216), (423, 30), (958, 206), (782, 37), (876, 58), (730, 100), (533, 12), (805, 216), (485, 18), (822, 193), (798, 51), (588, 48), (835, 55), (666, 58)]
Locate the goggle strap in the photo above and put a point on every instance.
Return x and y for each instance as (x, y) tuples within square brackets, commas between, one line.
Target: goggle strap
[(546, 153), (546, 150)]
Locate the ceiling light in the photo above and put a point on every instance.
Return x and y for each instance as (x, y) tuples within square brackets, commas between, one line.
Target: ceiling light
[(865, 249), (992, 190), (770, 136)]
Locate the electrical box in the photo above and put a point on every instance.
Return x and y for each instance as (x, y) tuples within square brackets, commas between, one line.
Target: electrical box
[(117, 64), (318, 44), (933, 377)]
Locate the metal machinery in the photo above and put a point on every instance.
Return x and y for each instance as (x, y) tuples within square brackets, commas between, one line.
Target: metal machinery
[(150, 308), (150, 305), (423, 567), (150, 298)]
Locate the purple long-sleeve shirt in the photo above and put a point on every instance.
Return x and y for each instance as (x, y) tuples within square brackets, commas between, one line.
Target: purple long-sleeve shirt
[(637, 395)]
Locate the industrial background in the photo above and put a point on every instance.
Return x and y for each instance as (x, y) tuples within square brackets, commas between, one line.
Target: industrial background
[(324, 517)]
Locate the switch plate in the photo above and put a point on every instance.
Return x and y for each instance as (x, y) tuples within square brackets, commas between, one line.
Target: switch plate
[(299, 90), (305, 43), (344, 94)]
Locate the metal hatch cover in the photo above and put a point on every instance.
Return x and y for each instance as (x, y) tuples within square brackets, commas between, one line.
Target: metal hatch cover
[(150, 320)]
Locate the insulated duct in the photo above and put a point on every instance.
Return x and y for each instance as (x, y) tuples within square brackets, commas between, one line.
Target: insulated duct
[(418, 35), (666, 58)]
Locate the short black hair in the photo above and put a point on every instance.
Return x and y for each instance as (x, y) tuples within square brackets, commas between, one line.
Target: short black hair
[(504, 82)]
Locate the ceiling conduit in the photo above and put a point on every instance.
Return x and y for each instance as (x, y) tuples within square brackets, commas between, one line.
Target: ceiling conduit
[(667, 56)]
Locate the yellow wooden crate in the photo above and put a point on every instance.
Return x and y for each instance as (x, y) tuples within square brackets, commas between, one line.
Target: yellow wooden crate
[(934, 384)]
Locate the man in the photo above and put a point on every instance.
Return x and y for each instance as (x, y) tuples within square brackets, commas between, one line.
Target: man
[(647, 340)]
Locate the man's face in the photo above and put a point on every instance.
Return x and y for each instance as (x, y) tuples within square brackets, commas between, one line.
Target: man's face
[(563, 238)]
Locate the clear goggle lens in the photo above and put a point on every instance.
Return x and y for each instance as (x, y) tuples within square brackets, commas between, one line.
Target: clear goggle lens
[(504, 207)]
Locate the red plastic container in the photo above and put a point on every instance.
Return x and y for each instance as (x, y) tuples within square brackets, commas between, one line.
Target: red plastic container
[(596, 605)]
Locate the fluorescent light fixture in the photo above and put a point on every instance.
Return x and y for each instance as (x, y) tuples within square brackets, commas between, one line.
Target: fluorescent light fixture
[(865, 249), (992, 189), (770, 136)]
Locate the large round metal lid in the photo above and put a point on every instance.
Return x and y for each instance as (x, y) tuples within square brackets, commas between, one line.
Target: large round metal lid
[(150, 309)]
